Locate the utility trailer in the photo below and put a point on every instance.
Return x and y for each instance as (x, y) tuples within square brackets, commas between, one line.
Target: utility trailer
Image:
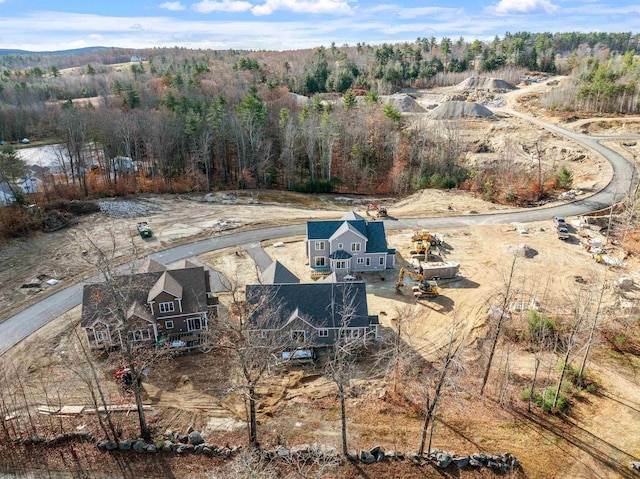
[(144, 230)]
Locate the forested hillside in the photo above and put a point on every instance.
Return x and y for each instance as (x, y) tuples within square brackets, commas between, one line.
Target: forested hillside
[(309, 120)]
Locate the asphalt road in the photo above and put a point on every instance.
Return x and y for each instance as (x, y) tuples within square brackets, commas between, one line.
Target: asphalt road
[(624, 182)]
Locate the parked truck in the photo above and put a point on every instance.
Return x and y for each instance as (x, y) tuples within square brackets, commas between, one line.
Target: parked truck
[(563, 232)]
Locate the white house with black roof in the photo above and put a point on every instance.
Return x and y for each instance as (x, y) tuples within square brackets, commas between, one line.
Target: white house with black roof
[(350, 244), (309, 315)]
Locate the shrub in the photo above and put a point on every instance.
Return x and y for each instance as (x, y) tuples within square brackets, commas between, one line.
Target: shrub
[(540, 324), (16, 222), (564, 178), (510, 196), (526, 394), (546, 401)]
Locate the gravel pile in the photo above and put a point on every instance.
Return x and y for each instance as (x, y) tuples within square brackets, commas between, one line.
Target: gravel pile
[(486, 83), (450, 110), (403, 102), (123, 209)]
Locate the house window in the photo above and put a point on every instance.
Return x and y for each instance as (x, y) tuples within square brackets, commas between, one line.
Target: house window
[(381, 260), (321, 261), (355, 246), (319, 245), (168, 325), (356, 333), (167, 307), (101, 336), (368, 261), (341, 264), (193, 324), (141, 335), (323, 333), (360, 260), (298, 336), (340, 246)]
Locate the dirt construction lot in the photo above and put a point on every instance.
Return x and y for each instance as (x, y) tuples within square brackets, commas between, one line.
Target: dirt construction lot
[(300, 405)]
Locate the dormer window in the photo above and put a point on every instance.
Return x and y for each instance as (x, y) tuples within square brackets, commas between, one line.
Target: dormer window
[(167, 307)]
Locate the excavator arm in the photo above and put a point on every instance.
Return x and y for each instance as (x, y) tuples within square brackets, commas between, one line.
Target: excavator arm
[(425, 288)]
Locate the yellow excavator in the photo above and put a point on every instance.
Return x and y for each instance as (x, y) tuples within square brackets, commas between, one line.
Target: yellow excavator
[(423, 288)]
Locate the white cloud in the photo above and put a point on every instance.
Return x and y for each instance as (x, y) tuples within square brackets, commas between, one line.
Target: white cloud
[(232, 6), (507, 7), (432, 12), (78, 44), (173, 6), (95, 36), (332, 7)]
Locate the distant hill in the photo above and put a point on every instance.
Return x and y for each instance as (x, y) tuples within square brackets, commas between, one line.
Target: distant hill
[(5, 51)]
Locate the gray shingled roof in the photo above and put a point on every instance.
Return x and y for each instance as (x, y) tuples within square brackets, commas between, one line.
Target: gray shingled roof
[(319, 303), (377, 239), (325, 229), (98, 302), (277, 273)]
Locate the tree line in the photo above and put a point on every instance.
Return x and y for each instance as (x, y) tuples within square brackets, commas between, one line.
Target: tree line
[(198, 120)]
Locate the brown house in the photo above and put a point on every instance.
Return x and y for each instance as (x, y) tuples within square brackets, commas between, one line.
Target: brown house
[(163, 307)]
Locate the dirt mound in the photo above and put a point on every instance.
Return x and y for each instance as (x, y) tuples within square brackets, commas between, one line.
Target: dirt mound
[(404, 103), (451, 110), (486, 83)]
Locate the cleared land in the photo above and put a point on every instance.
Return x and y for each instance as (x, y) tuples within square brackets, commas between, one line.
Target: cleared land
[(597, 439)]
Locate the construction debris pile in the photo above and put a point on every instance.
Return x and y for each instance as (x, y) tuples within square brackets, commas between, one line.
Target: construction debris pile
[(123, 209)]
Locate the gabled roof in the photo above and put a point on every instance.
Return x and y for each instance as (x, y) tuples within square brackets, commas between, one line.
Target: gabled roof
[(183, 264), (321, 304), (140, 311), (351, 216), (323, 230), (277, 273), (153, 266), (166, 283), (347, 226), (99, 303), (331, 278), (340, 254)]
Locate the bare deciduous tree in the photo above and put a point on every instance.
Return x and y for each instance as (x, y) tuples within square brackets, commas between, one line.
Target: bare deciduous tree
[(501, 313), (251, 332), (443, 372)]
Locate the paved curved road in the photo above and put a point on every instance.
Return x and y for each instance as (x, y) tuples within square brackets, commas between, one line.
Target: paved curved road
[(623, 183)]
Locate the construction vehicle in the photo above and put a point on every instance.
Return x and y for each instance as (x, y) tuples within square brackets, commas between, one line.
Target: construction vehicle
[(420, 248), (434, 239), (380, 211), (422, 242), (423, 288), (144, 230)]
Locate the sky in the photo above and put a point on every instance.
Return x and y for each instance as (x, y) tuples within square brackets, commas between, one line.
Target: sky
[(47, 25)]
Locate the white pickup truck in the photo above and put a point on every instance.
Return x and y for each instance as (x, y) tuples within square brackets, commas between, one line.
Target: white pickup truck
[(563, 232)]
